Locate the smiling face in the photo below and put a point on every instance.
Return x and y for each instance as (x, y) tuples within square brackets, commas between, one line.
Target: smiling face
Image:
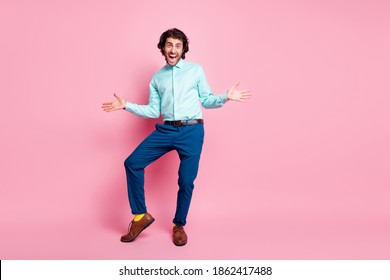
[(173, 50)]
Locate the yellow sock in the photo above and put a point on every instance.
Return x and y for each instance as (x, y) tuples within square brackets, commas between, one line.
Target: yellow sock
[(138, 217)]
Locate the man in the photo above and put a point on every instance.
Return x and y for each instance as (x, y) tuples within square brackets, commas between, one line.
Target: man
[(175, 92)]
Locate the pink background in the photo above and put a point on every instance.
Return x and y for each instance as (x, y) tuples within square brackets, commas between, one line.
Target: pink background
[(299, 172)]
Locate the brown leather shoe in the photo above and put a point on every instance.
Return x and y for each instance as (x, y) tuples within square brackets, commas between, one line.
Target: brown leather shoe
[(179, 236), (135, 228)]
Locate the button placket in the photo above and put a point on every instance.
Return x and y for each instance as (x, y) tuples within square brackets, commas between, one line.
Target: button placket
[(173, 93)]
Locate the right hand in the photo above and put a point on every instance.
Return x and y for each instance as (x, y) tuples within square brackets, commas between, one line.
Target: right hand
[(118, 104)]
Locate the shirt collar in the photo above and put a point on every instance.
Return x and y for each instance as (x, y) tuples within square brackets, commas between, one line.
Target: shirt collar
[(179, 64)]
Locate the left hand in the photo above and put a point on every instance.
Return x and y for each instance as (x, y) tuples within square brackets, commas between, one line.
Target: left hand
[(118, 104), (238, 95)]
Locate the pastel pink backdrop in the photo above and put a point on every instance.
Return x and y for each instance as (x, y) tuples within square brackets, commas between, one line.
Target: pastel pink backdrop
[(299, 172)]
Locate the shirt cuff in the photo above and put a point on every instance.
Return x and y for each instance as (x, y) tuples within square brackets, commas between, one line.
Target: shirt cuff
[(224, 98), (127, 105)]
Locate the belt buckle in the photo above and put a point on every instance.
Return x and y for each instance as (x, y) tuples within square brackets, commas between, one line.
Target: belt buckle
[(177, 123), (180, 123)]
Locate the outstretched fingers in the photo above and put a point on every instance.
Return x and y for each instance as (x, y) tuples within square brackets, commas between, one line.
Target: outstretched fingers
[(243, 95), (107, 107), (118, 103)]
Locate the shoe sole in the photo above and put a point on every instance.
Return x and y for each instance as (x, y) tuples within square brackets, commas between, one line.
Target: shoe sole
[(180, 244), (148, 224)]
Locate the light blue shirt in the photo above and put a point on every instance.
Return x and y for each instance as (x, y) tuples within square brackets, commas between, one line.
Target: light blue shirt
[(176, 92)]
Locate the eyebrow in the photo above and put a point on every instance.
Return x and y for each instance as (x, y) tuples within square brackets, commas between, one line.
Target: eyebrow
[(170, 43)]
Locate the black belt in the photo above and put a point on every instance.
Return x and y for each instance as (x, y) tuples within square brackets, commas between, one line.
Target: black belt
[(184, 122)]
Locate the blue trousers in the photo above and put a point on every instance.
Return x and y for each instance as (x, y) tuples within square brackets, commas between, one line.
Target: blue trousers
[(188, 142)]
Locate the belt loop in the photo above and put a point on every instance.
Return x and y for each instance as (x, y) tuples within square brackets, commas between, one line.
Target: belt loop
[(186, 122)]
